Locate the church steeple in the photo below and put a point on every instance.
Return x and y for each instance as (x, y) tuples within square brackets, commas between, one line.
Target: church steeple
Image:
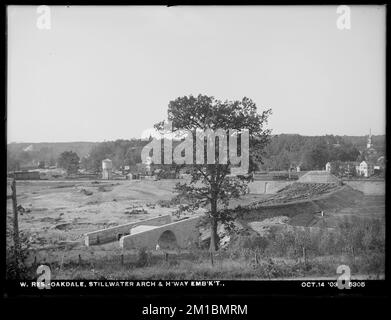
[(369, 143)]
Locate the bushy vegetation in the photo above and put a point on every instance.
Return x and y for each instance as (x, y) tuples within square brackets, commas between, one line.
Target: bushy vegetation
[(363, 237), (359, 245), (16, 266)]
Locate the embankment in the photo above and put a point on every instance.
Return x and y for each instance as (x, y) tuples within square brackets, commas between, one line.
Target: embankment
[(368, 187), (343, 197), (267, 187)]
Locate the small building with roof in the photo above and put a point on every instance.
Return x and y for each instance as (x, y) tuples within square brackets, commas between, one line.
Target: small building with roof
[(366, 169)]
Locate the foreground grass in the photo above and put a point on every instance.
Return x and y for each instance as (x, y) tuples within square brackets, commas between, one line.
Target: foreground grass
[(224, 268)]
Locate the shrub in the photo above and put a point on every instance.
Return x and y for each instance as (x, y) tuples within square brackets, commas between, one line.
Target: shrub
[(328, 243), (374, 236), (363, 236), (373, 264), (142, 258), (281, 244), (247, 246), (18, 270)]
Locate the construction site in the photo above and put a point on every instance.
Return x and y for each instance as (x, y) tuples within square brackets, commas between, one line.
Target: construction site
[(104, 228)]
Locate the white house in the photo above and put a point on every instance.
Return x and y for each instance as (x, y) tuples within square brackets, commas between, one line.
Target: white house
[(365, 169), (328, 166)]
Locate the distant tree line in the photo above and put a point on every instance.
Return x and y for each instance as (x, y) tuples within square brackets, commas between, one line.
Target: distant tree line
[(121, 152), (43, 154), (282, 152), (310, 153)]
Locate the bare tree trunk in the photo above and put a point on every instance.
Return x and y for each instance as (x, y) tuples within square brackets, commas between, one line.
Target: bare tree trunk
[(214, 237)]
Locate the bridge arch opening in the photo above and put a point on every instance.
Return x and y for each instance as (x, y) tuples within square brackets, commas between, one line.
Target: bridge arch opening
[(167, 240)]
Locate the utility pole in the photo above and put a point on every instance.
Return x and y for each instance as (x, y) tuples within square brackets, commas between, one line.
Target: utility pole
[(16, 225)]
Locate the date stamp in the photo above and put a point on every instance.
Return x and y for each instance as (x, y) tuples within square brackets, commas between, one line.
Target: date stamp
[(332, 284), (343, 281)]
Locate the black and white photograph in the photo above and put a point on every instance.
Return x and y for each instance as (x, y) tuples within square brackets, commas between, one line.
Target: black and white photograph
[(195, 145)]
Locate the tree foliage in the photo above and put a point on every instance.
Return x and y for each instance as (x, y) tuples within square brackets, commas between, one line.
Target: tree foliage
[(343, 169), (121, 152), (69, 161), (311, 153)]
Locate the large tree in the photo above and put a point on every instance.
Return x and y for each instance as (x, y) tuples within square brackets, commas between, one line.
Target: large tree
[(211, 185), (69, 161)]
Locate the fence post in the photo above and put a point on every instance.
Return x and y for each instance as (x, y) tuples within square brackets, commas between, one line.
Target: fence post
[(353, 255), (305, 256), (62, 260)]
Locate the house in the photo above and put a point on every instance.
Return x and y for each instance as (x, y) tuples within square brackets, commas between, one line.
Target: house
[(365, 169), (379, 166), (328, 166), (381, 162)]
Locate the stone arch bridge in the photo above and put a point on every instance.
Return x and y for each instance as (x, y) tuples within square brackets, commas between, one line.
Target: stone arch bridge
[(160, 232)]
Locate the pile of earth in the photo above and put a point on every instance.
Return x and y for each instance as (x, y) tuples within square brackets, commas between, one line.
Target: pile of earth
[(298, 191), (265, 226), (223, 232)]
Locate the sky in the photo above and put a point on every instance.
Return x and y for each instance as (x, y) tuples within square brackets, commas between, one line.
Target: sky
[(107, 73)]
